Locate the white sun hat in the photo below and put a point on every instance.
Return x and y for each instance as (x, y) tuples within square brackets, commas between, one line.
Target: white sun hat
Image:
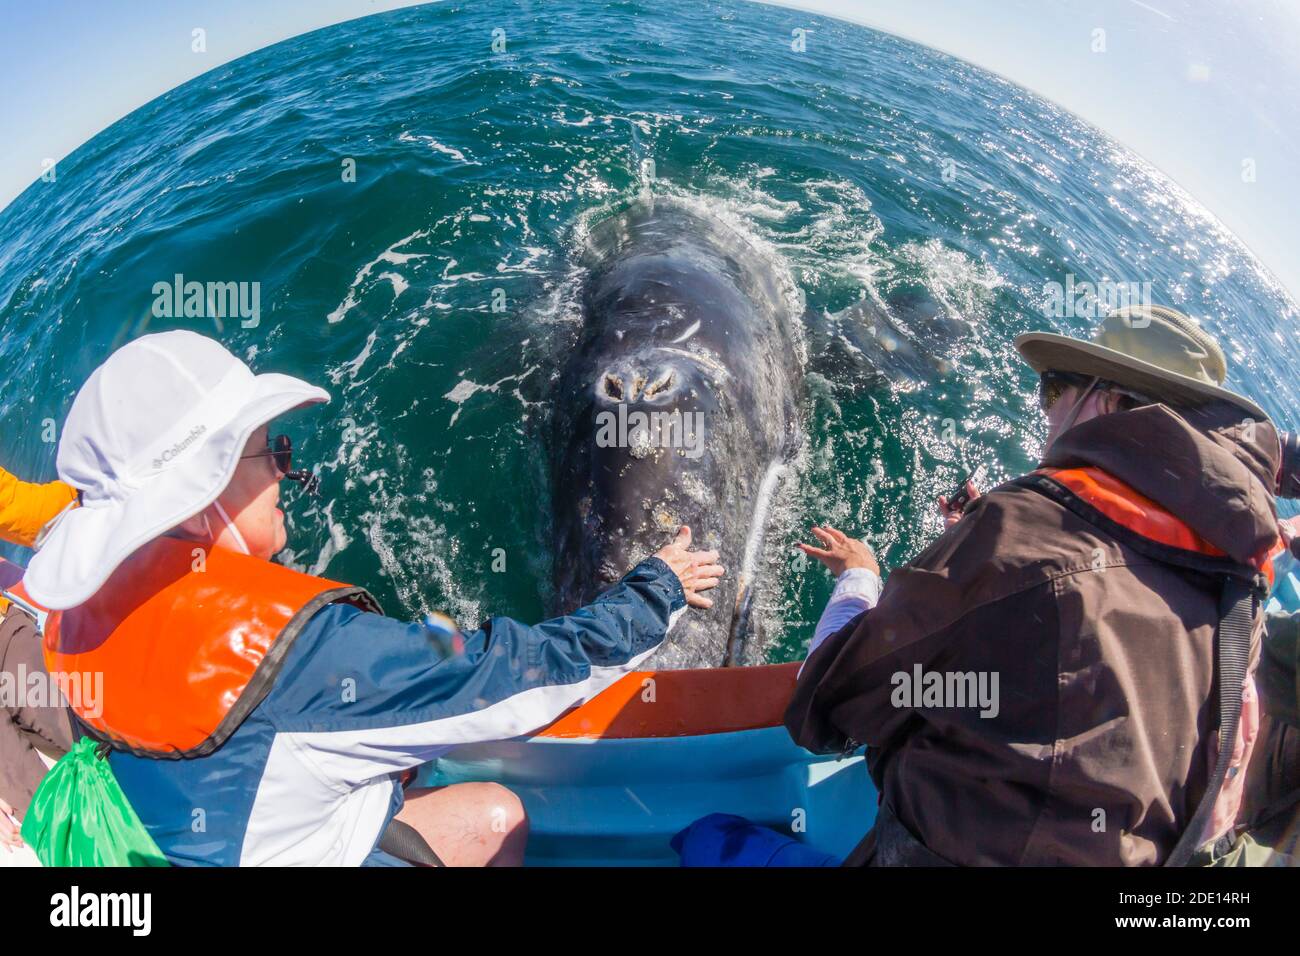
[(153, 437)]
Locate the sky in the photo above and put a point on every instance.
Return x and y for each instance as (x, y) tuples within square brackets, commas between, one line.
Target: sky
[(1207, 90)]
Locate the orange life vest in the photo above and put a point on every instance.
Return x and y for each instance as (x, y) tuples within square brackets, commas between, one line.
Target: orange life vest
[(1127, 507), (189, 643)]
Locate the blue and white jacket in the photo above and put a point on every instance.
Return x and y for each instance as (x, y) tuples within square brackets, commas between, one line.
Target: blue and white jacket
[(311, 776)]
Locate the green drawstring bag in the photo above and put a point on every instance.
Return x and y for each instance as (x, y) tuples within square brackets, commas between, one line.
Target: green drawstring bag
[(79, 816)]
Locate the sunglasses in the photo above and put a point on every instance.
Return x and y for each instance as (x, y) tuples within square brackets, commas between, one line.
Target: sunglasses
[(280, 450), (1052, 385)]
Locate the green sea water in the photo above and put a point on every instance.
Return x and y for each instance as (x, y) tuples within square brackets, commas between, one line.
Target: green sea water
[(437, 290)]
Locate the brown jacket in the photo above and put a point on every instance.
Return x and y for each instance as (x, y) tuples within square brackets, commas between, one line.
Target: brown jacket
[(26, 731), (1100, 746)]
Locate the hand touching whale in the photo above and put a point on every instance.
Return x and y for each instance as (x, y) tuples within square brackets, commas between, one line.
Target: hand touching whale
[(697, 570)]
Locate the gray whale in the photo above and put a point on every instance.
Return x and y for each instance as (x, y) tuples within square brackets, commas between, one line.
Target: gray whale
[(684, 320)]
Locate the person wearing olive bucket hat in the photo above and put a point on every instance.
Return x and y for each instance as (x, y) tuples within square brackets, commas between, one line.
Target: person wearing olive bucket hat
[(1094, 591), (1152, 351), (284, 705)]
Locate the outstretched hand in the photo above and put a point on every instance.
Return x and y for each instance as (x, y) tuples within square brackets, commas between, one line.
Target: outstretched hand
[(697, 570), (840, 552)]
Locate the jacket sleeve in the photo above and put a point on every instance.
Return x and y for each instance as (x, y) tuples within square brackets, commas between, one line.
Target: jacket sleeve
[(26, 507), (363, 695), (846, 693), (25, 731), (856, 590)]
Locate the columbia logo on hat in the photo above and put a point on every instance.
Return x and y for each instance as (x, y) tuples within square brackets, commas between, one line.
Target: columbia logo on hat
[(169, 453)]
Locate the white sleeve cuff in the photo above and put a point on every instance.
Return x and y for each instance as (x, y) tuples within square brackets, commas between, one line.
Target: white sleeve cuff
[(861, 583), (856, 590)]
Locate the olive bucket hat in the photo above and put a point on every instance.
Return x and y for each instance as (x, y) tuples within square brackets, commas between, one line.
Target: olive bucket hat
[(1154, 350)]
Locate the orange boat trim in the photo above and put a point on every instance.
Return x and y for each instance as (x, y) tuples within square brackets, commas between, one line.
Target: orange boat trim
[(682, 704)]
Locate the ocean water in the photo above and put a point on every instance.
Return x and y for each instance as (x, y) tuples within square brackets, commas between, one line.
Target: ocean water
[(435, 295)]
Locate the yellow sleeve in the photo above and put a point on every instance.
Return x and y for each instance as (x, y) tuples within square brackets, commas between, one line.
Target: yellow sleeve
[(26, 507)]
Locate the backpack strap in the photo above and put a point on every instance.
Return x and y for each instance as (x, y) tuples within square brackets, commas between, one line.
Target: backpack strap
[(1238, 605)]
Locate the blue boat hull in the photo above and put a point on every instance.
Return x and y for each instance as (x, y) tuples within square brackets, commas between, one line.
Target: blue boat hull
[(610, 799)]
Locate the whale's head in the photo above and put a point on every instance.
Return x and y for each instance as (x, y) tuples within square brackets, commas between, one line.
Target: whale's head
[(672, 403), (652, 404), (640, 460)]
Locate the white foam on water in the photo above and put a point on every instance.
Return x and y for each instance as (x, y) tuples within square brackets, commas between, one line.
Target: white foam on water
[(390, 256), (415, 553), (959, 283), (560, 303), (437, 147), (842, 237), (353, 366), (465, 389), (338, 541), (402, 343), (560, 118), (355, 440), (641, 124), (400, 284), (449, 278), (528, 266)]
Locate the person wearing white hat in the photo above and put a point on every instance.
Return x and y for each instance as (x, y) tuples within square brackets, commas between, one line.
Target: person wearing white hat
[(279, 709)]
